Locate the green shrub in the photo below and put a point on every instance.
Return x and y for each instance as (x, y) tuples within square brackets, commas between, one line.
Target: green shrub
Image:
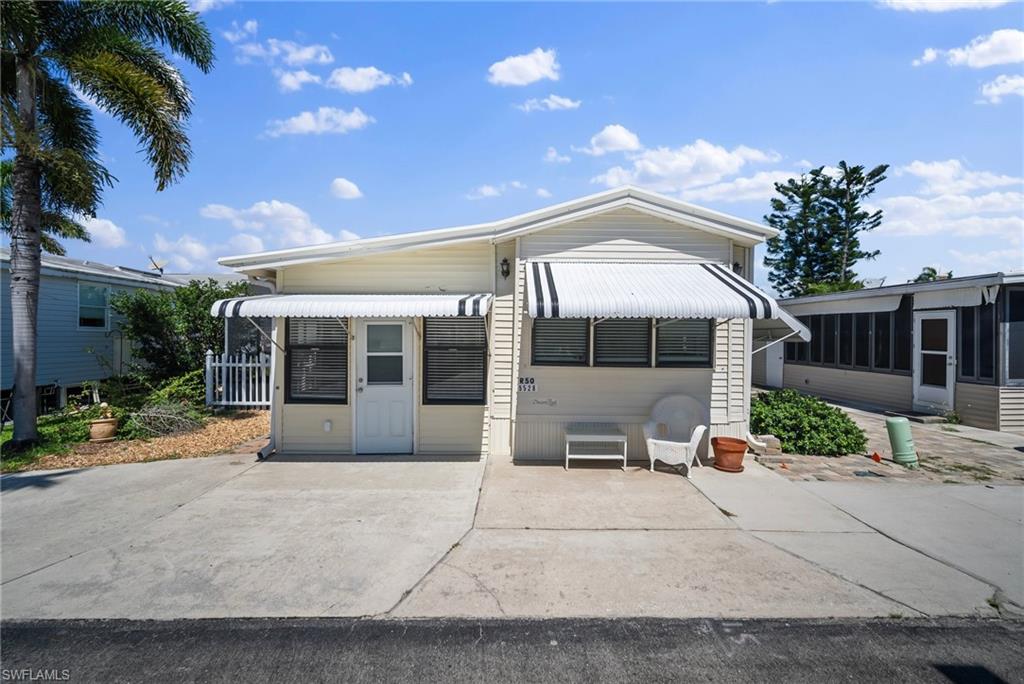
[(188, 389), (805, 425)]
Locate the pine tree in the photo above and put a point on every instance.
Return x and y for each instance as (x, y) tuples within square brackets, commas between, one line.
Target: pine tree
[(820, 217)]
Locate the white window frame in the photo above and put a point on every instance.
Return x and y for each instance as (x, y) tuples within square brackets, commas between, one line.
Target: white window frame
[(106, 306)]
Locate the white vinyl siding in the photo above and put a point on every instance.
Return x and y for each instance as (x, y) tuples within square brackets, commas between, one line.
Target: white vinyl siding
[(462, 269), (625, 234), (977, 404), (885, 390), (1011, 409)]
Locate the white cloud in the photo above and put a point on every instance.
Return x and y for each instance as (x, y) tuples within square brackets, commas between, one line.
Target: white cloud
[(291, 81), (553, 157), (995, 214), (487, 190), (201, 6), (105, 232), (239, 32), (995, 90), (929, 56), (550, 103), (323, 120), (185, 254), (345, 189), (950, 177), (759, 187), (543, 192), (1005, 46), (290, 53), (522, 70), (941, 5), (993, 260), (612, 138), (285, 223), (243, 243), (700, 163), (365, 79)]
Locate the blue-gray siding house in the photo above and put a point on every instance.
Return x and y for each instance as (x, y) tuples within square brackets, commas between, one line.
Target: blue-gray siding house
[(79, 336)]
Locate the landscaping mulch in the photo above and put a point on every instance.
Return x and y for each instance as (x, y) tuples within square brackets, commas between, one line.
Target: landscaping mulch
[(220, 434)]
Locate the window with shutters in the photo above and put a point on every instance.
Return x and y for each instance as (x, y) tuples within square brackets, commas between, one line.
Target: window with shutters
[(454, 360), (622, 342), (561, 342), (317, 354), (683, 343)]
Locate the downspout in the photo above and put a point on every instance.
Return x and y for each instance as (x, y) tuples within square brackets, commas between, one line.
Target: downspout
[(271, 445)]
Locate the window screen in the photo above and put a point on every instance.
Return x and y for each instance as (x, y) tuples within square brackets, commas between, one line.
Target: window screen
[(317, 353), (883, 340), (622, 342), (803, 348), (683, 342), (454, 360), (862, 339), (1015, 333), (968, 342), (846, 339), (92, 306), (828, 338), (561, 342), (816, 339), (986, 341), (903, 335)]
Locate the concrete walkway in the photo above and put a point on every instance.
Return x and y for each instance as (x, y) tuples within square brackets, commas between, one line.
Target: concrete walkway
[(600, 542), (226, 536), (803, 520)]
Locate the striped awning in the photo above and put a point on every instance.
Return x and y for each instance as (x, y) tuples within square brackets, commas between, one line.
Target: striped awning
[(353, 305), (596, 289)]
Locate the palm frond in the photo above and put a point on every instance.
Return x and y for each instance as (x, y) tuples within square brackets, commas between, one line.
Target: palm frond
[(141, 103), (168, 22)]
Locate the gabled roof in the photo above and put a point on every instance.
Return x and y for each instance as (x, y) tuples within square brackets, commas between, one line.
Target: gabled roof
[(744, 232), (57, 264)]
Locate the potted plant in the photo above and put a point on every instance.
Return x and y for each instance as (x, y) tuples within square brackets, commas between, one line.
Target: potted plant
[(104, 427), (729, 453)]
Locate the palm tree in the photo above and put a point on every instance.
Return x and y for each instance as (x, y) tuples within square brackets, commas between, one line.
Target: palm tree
[(930, 273), (53, 224), (53, 55)]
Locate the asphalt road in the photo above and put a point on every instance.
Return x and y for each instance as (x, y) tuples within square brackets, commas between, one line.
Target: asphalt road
[(283, 650)]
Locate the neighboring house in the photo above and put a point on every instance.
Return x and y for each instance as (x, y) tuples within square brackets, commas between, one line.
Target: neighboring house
[(949, 345), (78, 336), (497, 337)]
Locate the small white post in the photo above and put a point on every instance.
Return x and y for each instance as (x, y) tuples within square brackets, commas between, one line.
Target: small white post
[(209, 377)]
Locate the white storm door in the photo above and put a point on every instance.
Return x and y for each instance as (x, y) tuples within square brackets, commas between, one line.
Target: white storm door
[(934, 360), (384, 382)]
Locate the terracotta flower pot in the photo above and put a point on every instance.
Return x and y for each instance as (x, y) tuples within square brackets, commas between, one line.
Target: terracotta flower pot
[(102, 430), (729, 453)]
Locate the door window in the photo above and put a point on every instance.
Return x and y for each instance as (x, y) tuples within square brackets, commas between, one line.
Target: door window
[(384, 357)]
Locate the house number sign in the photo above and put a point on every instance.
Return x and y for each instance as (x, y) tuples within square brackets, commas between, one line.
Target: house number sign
[(527, 385)]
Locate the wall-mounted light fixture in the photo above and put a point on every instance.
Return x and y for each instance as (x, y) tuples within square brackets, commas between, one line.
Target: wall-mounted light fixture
[(737, 268), (506, 268)]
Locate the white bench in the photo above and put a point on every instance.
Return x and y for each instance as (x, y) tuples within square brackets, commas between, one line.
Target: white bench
[(587, 439)]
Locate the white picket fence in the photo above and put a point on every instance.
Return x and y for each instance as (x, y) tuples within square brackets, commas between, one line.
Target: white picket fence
[(238, 380)]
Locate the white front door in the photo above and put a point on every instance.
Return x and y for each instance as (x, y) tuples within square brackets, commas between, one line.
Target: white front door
[(384, 381), (934, 360)]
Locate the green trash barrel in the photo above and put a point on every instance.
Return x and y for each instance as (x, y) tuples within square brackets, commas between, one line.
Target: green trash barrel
[(902, 441)]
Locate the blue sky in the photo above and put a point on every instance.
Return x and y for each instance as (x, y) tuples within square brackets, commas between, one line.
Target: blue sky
[(441, 115)]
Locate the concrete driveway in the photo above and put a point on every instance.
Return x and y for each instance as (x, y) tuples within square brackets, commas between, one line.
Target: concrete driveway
[(227, 536)]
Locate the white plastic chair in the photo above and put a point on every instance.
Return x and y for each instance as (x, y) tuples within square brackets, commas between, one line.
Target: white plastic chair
[(673, 418)]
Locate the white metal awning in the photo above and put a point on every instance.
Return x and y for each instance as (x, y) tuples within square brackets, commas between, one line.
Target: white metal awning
[(599, 289), (353, 305)]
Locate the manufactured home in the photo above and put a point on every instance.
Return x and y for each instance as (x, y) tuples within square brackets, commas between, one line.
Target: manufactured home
[(79, 336), (952, 346), (499, 337)]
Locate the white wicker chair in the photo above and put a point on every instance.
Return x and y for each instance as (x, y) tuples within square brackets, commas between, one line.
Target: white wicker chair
[(673, 419)]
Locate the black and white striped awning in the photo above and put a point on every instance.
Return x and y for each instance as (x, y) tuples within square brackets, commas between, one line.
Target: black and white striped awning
[(599, 289), (353, 305)]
